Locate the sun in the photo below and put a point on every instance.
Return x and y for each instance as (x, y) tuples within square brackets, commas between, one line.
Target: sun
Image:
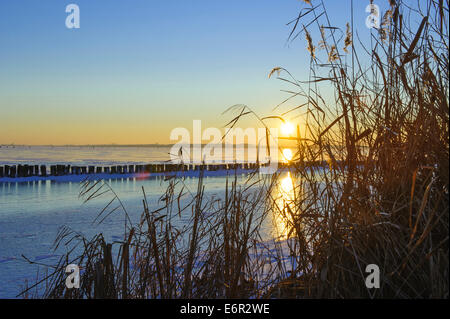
[(287, 154), (287, 128)]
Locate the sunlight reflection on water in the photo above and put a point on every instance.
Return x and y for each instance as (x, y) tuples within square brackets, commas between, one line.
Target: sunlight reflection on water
[(284, 207)]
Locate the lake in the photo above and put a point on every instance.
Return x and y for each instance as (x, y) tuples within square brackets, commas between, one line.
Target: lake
[(31, 213)]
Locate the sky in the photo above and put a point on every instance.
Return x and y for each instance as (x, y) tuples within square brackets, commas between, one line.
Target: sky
[(135, 70)]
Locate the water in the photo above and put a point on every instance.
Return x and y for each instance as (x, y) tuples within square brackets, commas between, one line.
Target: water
[(31, 213), (83, 155), (105, 155)]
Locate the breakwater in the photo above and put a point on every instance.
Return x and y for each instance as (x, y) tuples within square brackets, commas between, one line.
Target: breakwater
[(24, 170)]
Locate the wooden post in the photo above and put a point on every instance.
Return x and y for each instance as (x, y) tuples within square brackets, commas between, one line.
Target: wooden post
[(43, 170), (7, 169), (12, 171), (29, 170), (19, 170)]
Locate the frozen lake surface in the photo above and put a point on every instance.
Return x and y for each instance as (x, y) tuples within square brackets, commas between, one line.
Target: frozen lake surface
[(83, 155), (32, 212)]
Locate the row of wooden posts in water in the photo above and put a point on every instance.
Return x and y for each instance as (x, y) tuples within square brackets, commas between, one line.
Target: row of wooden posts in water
[(24, 170)]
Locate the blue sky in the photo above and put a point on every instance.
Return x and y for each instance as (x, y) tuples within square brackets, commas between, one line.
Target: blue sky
[(136, 69)]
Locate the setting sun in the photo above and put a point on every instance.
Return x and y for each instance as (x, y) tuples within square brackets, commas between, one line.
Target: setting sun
[(287, 154), (287, 128)]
